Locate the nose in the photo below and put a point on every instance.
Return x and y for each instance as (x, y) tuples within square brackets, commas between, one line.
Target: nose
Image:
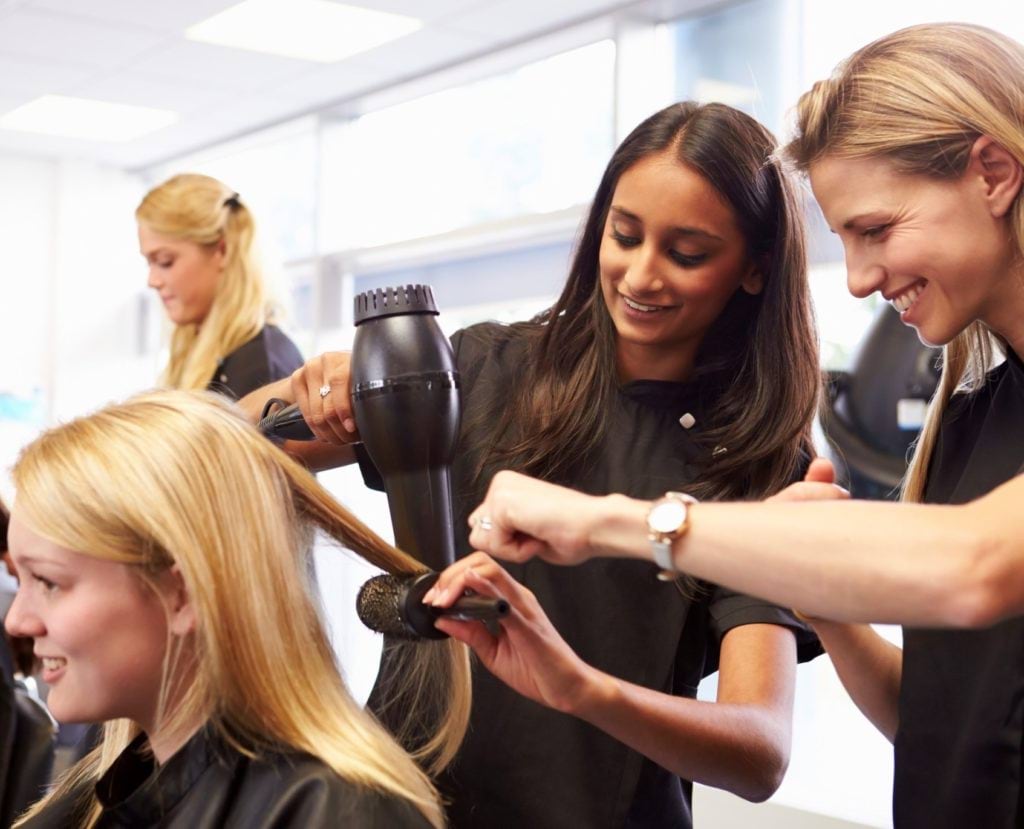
[(643, 276), (20, 620), (864, 275), (154, 281)]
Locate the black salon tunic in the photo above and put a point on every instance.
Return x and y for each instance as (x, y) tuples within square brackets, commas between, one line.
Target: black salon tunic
[(209, 785), (267, 357), (525, 765), (960, 743)]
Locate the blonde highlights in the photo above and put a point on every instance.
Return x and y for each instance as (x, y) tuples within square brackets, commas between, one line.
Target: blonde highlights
[(918, 99), (179, 478), (201, 209)]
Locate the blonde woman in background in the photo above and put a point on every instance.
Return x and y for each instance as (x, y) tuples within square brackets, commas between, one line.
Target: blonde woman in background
[(175, 607), (197, 236), (915, 152)]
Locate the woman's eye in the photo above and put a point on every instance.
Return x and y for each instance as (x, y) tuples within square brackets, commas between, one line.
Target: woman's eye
[(874, 232), (625, 241), (687, 260), (46, 584)]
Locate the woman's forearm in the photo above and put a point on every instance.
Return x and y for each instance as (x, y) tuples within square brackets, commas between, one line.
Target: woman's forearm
[(252, 404), (315, 454), (848, 561), (740, 743), (870, 669)]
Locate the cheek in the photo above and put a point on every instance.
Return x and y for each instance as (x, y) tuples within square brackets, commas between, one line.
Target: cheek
[(608, 263), (190, 280), (713, 286)]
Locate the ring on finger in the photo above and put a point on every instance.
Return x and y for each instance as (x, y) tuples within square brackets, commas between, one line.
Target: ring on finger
[(325, 390)]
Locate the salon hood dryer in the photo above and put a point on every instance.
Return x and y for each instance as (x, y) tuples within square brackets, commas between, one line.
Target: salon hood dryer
[(874, 411)]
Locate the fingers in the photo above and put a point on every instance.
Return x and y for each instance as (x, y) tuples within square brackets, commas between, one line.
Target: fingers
[(494, 529), (451, 583), (811, 491), (821, 471), (321, 389), (473, 634), (484, 576)]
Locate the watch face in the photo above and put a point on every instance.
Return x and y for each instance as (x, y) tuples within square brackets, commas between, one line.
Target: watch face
[(667, 517)]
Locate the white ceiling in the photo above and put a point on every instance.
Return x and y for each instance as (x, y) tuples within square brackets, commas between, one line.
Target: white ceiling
[(135, 52)]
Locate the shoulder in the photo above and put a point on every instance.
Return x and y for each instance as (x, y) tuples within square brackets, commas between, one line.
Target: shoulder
[(729, 610), (297, 790), (492, 347), (964, 401), (486, 337), (270, 355)]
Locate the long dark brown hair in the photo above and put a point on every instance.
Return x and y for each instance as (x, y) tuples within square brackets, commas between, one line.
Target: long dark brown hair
[(761, 354)]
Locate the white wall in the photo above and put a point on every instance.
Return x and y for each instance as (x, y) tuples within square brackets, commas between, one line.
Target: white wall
[(70, 278), (27, 200)]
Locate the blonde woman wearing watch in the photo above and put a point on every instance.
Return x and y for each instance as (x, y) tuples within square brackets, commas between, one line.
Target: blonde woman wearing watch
[(915, 152)]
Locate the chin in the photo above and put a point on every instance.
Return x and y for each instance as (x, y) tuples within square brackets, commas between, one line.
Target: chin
[(936, 338), (929, 341)]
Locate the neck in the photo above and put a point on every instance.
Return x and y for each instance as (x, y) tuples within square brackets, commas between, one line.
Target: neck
[(165, 744), (638, 362), (1006, 311)]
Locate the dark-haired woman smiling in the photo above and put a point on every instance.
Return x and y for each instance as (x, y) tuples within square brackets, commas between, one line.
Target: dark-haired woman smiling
[(683, 331)]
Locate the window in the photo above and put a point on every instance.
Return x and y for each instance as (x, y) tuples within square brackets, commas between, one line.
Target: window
[(527, 142)]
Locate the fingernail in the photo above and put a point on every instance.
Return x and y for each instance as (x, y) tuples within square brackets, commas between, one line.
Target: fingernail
[(349, 424), (428, 597)]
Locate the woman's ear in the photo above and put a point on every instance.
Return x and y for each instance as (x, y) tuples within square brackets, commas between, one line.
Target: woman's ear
[(180, 609), (221, 253), (753, 280), (1000, 171)]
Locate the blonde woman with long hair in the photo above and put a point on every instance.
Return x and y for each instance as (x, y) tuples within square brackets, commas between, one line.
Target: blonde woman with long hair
[(164, 546), (915, 152), (198, 238)]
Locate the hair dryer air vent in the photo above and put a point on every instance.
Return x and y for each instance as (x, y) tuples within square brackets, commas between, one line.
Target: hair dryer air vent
[(387, 302)]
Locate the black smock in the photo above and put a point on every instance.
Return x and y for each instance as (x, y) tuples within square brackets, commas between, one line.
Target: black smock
[(525, 765), (209, 785), (960, 742), (267, 357)]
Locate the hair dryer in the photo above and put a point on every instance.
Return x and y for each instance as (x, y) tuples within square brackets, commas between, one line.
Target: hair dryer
[(405, 397)]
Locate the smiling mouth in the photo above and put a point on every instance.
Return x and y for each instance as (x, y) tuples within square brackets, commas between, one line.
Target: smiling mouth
[(639, 306), (53, 663), (903, 302)]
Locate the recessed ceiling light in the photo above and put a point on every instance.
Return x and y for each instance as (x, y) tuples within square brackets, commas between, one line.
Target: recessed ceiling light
[(316, 30), (85, 118)]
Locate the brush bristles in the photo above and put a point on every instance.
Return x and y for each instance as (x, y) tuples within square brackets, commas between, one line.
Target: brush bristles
[(378, 602)]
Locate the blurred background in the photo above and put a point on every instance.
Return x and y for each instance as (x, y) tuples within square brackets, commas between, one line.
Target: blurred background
[(456, 144)]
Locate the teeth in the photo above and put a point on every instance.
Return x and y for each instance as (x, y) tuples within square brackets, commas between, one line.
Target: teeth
[(902, 302), (636, 306), (51, 663)]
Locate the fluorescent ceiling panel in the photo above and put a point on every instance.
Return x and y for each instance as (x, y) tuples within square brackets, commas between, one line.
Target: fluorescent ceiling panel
[(85, 118), (315, 30)]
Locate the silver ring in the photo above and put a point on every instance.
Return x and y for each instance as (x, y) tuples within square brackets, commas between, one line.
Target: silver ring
[(484, 523), (325, 390)]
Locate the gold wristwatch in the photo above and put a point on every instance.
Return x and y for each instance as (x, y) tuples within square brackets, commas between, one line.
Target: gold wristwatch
[(667, 520)]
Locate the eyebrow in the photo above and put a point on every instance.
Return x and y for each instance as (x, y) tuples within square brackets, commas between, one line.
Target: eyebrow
[(682, 231), (21, 560)]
